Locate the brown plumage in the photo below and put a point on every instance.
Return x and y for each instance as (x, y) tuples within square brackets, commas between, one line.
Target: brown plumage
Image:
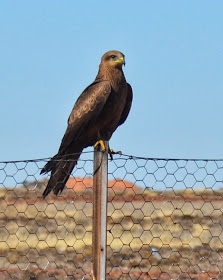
[(99, 110)]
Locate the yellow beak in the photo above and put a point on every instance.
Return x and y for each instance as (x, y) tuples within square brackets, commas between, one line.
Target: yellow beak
[(120, 60)]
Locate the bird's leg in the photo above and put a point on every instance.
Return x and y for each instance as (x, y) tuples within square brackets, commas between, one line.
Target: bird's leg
[(111, 152)]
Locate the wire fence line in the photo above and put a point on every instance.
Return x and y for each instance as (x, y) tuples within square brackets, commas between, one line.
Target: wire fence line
[(164, 220)]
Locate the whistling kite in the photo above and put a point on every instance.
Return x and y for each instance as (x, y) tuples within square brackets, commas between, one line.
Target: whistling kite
[(99, 110)]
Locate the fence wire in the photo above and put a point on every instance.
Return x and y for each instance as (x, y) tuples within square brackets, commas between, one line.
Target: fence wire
[(164, 220)]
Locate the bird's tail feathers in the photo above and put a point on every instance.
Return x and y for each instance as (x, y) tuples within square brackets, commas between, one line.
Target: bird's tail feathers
[(51, 164), (61, 168)]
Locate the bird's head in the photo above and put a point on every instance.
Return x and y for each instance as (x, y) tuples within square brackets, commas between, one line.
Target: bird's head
[(114, 59)]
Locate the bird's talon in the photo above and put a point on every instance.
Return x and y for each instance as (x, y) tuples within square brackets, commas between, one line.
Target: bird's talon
[(102, 144), (112, 152), (115, 153)]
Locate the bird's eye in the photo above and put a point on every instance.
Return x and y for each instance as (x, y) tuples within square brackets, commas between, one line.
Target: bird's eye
[(113, 56)]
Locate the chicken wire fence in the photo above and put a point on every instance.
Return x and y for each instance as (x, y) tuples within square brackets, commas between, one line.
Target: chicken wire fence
[(164, 220)]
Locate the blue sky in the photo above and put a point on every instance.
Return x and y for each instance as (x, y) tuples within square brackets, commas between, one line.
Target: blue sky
[(50, 51)]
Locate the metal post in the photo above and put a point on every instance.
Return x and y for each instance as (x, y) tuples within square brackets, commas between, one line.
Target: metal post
[(100, 193)]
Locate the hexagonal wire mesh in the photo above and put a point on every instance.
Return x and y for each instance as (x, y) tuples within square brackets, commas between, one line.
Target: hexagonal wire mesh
[(164, 221)]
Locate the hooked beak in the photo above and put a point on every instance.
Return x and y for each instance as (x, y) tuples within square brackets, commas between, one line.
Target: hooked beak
[(121, 60)]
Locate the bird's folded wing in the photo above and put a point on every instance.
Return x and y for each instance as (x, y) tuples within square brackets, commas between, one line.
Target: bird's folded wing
[(127, 107), (86, 109)]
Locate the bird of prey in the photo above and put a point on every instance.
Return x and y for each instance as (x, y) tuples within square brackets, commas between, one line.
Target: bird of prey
[(100, 109)]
